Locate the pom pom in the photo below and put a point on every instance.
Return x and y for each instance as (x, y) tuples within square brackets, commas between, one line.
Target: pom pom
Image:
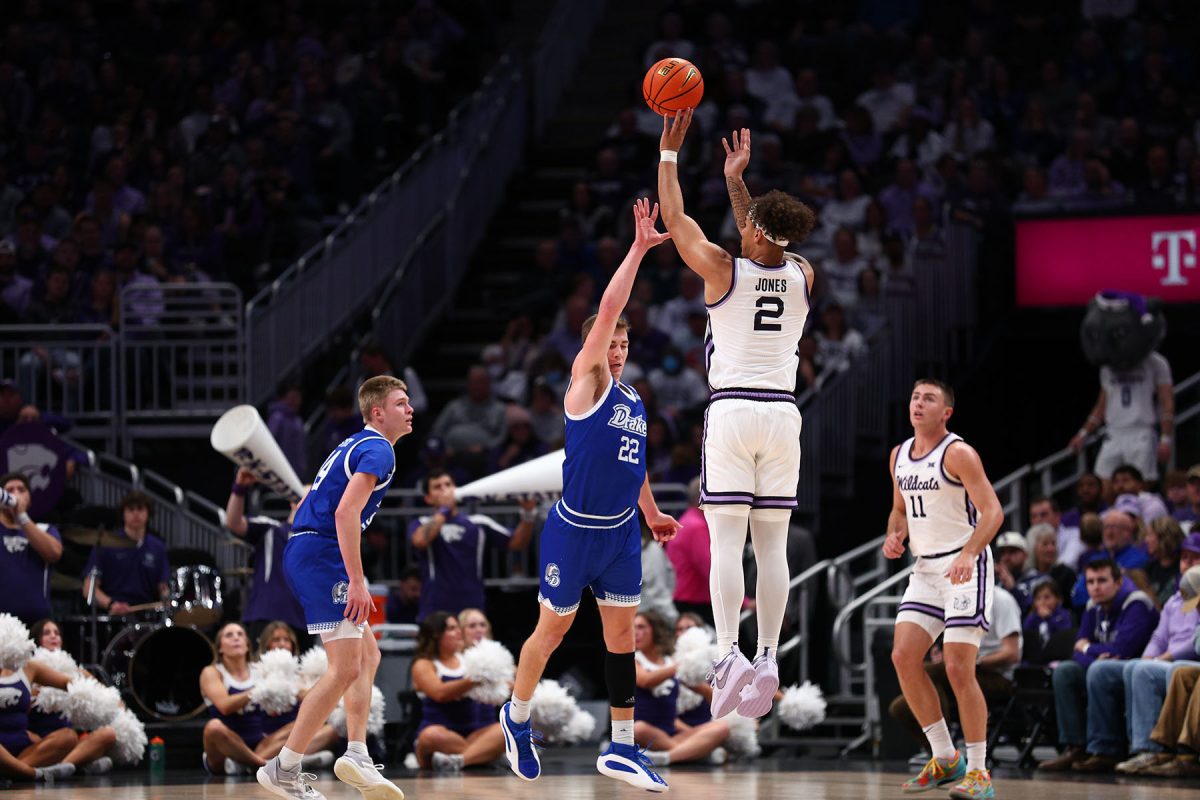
[(692, 639), (492, 665), (131, 738), (375, 719), (15, 645), (743, 736), (579, 728), (687, 700), (276, 677), (802, 706), (337, 718), (552, 709), (313, 665), (694, 662), (90, 704), (59, 660), (51, 701)]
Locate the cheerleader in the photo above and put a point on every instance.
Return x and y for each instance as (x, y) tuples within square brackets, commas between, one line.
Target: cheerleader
[(278, 635), (455, 731), (475, 626), (667, 740)]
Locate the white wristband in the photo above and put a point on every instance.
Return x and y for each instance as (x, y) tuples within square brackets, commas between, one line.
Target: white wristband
[(23, 518), (669, 155)]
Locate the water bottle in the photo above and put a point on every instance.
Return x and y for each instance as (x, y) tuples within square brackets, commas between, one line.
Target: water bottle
[(158, 759)]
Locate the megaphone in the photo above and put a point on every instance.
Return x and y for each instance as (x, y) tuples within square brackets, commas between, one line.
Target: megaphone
[(541, 477), (241, 436)]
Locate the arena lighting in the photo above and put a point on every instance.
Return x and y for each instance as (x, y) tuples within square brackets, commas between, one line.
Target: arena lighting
[(1065, 261)]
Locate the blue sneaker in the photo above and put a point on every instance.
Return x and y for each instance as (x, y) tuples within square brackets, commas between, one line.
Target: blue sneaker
[(626, 762), (519, 746)]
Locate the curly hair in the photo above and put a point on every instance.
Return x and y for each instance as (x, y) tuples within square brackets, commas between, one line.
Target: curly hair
[(783, 216)]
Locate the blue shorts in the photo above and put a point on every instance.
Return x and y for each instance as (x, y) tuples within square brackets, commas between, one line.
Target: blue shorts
[(314, 569), (607, 561)]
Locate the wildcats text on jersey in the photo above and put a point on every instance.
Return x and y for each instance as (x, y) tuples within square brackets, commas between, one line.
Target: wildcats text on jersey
[(912, 483)]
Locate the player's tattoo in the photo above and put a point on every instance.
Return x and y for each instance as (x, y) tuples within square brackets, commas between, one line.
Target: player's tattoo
[(739, 198)]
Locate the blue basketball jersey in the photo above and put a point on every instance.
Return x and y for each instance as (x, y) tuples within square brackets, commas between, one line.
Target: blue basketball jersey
[(605, 462), (366, 451)]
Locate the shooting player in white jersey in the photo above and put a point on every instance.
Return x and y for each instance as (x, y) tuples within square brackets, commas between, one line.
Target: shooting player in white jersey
[(757, 307), (944, 506)]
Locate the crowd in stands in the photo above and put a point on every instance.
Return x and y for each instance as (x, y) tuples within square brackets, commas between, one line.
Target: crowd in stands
[(149, 142)]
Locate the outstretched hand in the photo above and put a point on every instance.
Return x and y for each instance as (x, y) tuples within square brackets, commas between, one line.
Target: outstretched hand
[(675, 129), (645, 234), (737, 157)]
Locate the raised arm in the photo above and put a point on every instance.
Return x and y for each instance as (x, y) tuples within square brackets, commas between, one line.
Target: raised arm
[(235, 506), (737, 158), (706, 259), (591, 364)]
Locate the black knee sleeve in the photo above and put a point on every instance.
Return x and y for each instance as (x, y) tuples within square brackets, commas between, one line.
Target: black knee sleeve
[(621, 677)]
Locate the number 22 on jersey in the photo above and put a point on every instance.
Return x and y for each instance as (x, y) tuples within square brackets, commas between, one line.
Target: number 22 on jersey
[(629, 450)]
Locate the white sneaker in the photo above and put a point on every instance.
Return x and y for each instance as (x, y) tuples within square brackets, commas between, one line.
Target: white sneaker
[(359, 772), (760, 694), (718, 757), (322, 759), (727, 678), (447, 762), (293, 785), (100, 766)]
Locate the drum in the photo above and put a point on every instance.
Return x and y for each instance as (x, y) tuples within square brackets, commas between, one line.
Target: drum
[(159, 666), (195, 596)]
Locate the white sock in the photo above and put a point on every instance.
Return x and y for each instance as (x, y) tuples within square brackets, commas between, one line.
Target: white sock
[(727, 526), (622, 731), (358, 749), (519, 709), (768, 533), (939, 740), (659, 758), (976, 756), (289, 760)]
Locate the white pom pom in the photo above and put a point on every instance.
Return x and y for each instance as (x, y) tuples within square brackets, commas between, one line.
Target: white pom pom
[(493, 666), (693, 639), (375, 718), (579, 728), (276, 677), (694, 663), (687, 700), (802, 706), (131, 738), (313, 665), (551, 708), (338, 719), (15, 645), (743, 736), (59, 660), (90, 704)]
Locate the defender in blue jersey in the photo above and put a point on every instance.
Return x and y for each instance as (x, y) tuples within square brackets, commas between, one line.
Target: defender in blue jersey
[(323, 565), (592, 536)]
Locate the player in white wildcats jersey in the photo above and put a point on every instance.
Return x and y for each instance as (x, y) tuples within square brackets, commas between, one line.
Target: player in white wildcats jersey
[(750, 463), (943, 505), (1131, 403)]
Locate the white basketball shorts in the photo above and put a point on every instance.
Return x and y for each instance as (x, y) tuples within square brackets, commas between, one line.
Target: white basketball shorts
[(1138, 447), (962, 610), (751, 452)]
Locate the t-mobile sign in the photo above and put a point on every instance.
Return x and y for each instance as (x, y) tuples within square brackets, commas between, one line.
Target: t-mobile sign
[(1064, 262)]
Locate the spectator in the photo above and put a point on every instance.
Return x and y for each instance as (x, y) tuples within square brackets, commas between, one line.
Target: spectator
[(404, 602), (1145, 686), (342, 417), (475, 626), (1012, 551), (450, 544), (999, 653), (677, 386), (270, 597), (897, 198), (783, 111), (234, 735), (841, 272), (1044, 511), (1047, 623), (1174, 490), (134, 573), (849, 210), (1163, 542), (1189, 513), (690, 555), (15, 289), (673, 315), (474, 422), (521, 444), (657, 729), (1127, 481), (888, 100), (455, 731), (1116, 626), (1132, 403), (1044, 562), (1089, 496), (1067, 173), (658, 578), (1179, 721), (30, 551), (837, 344), (969, 134), (545, 415), (285, 424), (1122, 523)]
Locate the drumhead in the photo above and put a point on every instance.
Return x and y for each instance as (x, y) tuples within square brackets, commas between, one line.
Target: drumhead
[(162, 668)]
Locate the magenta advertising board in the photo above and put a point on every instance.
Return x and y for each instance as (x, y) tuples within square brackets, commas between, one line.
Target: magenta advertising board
[(1064, 262)]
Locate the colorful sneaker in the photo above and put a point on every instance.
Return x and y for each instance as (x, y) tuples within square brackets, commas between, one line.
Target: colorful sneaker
[(760, 694), (519, 746), (363, 774), (626, 762), (727, 678), (976, 786), (937, 772)]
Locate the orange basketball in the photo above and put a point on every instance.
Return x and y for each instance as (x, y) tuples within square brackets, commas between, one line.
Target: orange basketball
[(672, 85)]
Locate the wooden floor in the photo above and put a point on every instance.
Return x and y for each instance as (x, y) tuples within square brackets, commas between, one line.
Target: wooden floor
[(764, 780)]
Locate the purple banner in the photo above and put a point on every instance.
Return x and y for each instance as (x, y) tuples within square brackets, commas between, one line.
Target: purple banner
[(33, 449)]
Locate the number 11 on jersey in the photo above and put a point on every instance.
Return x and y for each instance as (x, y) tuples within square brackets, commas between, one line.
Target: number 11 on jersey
[(918, 506)]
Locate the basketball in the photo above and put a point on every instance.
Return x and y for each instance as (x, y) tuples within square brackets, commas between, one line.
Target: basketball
[(672, 85)]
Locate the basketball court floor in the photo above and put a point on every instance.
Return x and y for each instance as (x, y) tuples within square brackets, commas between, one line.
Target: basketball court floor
[(571, 776)]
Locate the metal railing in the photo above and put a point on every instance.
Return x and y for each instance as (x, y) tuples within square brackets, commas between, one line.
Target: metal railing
[(846, 577), (67, 369), (1010, 491), (802, 592)]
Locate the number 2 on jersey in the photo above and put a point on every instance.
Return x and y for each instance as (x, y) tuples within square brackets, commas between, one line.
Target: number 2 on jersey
[(768, 308), (918, 506), (629, 450)]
